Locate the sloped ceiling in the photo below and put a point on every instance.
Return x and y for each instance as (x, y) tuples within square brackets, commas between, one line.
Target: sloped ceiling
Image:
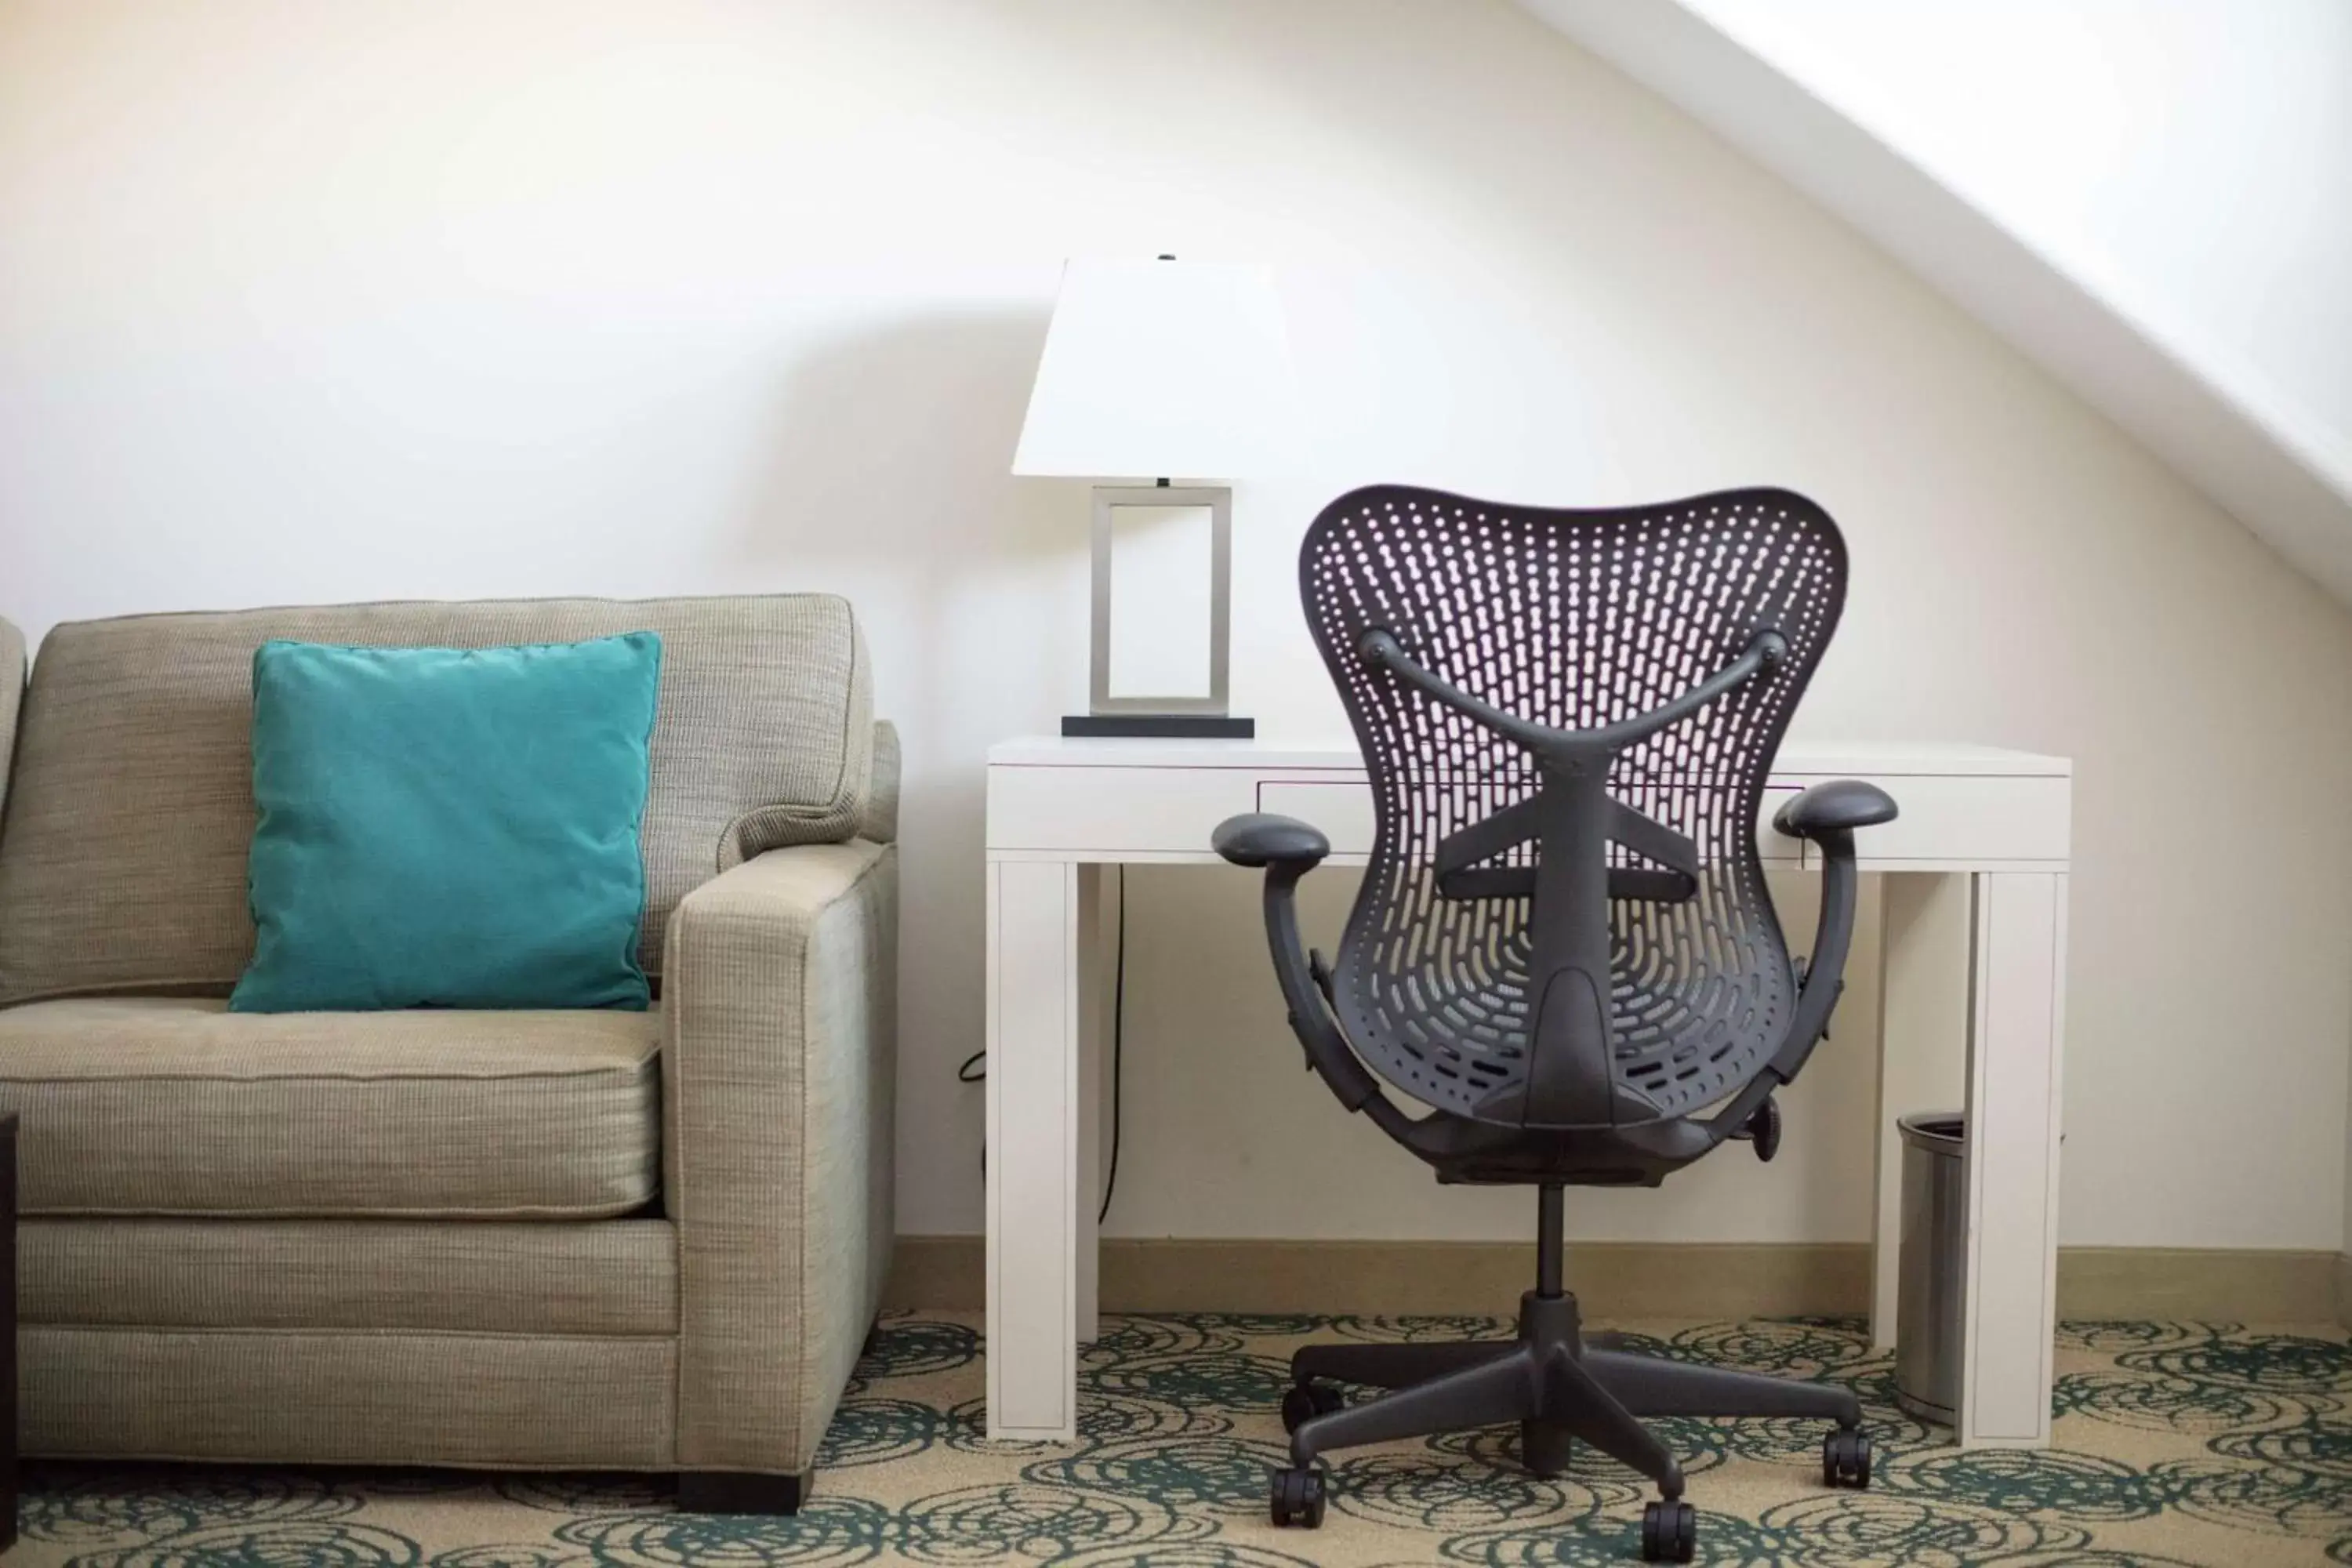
[(2276, 456)]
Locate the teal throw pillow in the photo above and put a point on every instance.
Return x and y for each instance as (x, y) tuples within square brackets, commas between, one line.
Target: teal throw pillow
[(449, 827)]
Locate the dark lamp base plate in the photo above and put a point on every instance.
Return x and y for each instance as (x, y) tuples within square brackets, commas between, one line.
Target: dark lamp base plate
[(1162, 726)]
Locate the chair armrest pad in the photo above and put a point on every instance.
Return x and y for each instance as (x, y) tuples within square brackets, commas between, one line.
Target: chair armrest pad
[(1838, 805), (1262, 838)]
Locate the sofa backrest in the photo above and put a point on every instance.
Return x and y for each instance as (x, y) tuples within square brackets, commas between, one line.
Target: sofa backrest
[(130, 811)]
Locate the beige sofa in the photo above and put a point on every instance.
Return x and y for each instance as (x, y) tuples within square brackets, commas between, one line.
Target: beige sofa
[(640, 1241)]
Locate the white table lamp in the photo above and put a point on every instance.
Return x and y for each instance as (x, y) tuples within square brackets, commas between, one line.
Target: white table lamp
[(1151, 369)]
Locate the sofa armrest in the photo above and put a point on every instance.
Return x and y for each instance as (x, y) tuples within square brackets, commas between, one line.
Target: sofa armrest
[(778, 1065), (12, 701), (879, 822)]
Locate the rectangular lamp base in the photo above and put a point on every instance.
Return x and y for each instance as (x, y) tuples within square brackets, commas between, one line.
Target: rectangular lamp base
[(1162, 726)]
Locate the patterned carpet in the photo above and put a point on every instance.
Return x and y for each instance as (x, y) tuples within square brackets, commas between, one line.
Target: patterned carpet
[(2178, 1443)]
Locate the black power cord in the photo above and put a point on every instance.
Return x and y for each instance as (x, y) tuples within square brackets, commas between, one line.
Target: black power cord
[(974, 1068), (1118, 1051)]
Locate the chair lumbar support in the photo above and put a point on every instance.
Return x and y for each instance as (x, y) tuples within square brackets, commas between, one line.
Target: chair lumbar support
[(1559, 1384)]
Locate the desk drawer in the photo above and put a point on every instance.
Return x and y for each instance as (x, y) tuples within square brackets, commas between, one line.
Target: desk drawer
[(1115, 812), (1344, 811)]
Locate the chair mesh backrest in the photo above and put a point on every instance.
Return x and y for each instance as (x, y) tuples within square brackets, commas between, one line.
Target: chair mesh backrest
[(1574, 620)]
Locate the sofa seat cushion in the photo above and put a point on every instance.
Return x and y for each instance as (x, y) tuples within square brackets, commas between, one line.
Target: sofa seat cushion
[(176, 1106)]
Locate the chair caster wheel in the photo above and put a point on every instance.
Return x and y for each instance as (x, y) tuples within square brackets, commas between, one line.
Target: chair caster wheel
[(1669, 1531), (1302, 1401), (1845, 1459), (1296, 1498)]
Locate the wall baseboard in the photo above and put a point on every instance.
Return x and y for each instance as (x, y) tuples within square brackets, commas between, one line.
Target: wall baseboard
[(1626, 1280), (2241, 1285)]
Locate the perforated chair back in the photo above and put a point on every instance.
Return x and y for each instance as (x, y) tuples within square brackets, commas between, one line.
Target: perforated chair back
[(1565, 922)]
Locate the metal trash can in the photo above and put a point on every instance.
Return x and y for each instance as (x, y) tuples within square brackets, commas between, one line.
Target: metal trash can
[(1928, 1274)]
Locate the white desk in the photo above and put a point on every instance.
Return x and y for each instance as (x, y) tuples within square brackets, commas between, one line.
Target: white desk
[(1974, 953)]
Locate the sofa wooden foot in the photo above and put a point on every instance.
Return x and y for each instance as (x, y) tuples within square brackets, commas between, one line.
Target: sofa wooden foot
[(736, 1492)]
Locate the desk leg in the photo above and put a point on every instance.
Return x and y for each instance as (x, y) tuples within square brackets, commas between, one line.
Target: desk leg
[(1927, 936), (1032, 1146), (1095, 937), (2016, 1023)]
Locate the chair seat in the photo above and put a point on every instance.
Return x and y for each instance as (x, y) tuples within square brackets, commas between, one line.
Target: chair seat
[(1487, 1153), (176, 1106)]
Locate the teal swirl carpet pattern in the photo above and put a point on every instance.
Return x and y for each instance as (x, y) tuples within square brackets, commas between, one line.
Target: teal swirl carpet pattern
[(2176, 1443)]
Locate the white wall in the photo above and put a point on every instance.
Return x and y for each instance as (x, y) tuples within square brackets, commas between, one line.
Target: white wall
[(2192, 159), (326, 300)]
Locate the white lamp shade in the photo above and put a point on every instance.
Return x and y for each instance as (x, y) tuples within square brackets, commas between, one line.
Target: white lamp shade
[(1161, 369)]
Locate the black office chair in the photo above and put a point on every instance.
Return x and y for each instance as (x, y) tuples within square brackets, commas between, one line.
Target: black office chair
[(1564, 945)]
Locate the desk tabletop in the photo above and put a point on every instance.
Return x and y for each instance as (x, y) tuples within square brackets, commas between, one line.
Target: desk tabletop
[(1800, 757)]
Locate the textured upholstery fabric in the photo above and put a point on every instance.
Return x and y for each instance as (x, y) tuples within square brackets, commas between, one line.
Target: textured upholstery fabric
[(778, 1088), (495, 1276), (496, 1339), (122, 867), (502, 1401), (12, 697), (173, 1106), (880, 823)]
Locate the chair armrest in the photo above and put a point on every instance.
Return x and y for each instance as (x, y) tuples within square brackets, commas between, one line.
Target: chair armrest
[(1262, 838), (778, 1065), (1836, 806), (1827, 814), (1289, 849)]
